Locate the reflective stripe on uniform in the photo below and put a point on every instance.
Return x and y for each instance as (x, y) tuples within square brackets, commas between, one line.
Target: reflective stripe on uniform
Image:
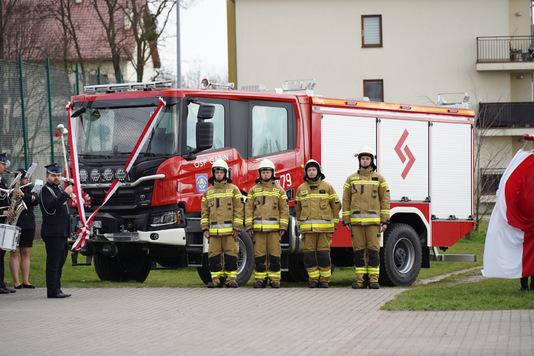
[(317, 223), (313, 274), (273, 274), (260, 275), (360, 270), (231, 274), (373, 270), (266, 224), (218, 274), (358, 218), (325, 273)]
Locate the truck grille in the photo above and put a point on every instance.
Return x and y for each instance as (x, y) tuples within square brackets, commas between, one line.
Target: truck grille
[(116, 199)]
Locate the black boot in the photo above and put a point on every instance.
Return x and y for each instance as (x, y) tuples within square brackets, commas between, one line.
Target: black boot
[(524, 284)]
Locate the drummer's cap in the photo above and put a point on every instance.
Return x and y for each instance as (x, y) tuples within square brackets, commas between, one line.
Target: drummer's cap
[(3, 158), (53, 168)]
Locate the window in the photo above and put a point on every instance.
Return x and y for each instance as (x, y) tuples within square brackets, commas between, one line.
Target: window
[(372, 31), (374, 89), (269, 130), (218, 127), (489, 180)]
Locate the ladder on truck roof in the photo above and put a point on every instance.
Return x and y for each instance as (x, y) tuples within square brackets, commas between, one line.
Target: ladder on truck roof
[(113, 88)]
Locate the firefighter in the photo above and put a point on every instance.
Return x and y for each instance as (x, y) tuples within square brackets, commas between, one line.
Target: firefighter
[(221, 221), (317, 207), (366, 215), (266, 220)]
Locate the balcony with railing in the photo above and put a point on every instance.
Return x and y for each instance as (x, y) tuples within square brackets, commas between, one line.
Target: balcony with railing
[(509, 53), (506, 115)]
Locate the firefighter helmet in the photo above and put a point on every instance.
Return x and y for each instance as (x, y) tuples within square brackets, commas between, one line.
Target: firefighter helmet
[(369, 152), (264, 165), (313, 163), (222, 165)]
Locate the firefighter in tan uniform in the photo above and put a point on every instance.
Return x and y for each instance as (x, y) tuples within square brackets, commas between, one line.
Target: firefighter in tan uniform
[(221, 222), (266, 220), (317, 207), (366, 215)]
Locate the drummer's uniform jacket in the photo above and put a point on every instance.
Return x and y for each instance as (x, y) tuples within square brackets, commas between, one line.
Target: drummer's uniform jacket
[(317, 207), (55, 211), (222, 209), (266, 208)]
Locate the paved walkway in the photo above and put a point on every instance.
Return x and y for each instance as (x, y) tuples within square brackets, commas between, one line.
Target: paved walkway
[(288, 321)]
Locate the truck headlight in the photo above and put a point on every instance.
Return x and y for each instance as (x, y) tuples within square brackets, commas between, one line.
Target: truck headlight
[(164, 219)]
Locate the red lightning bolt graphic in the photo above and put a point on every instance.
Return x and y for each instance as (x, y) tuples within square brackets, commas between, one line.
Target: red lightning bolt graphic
[(411, 157)]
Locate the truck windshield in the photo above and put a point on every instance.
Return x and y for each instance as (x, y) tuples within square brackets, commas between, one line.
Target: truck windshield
[(115, 131)]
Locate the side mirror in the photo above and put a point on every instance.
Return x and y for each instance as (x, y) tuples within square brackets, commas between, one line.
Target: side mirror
[(204, 135), (205, 111)]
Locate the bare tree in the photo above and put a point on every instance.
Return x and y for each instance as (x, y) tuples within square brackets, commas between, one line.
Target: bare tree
[(490, 160), (61, 11), (147, 28), (109, 13), (19, 31), (192, 78)]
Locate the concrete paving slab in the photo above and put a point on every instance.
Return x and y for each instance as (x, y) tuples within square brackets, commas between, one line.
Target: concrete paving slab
[(290, 321)]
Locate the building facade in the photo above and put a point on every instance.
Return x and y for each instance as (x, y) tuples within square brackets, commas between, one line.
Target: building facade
[(396, 51)]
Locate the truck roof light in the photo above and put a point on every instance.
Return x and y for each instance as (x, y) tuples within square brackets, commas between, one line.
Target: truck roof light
[(461, 100), (299, 85), (113, 88)]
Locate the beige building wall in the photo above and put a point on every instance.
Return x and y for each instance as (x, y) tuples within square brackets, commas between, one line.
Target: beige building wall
[(429, 46)]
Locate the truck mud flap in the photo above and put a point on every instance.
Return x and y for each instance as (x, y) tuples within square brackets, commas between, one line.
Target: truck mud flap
[(74, 258)]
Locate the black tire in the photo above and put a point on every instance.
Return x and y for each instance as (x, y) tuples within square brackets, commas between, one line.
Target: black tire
[(297, 271), (204, 271), (245, 258), (400, 257), (122, 268), (135, 267), (245, 261), (107, 268)]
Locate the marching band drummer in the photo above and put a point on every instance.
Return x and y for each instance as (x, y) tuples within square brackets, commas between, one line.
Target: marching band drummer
[(5, 213), (26, 222)]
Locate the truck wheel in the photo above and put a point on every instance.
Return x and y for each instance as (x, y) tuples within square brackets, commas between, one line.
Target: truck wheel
[(400, 257), (122, 268), (245, 258), (135, 267), (107, 268), (245, 261), (204, 271), (297, 271)]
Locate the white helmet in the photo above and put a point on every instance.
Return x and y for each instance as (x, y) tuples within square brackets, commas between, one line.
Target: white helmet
[(221, 164), (266, 164), (313, 163), (367, 151)]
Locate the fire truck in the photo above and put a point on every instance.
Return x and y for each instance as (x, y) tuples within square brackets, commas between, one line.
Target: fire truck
[(153, 219)]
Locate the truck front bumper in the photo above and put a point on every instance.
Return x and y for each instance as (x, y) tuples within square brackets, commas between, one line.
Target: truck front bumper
[(175, 237)]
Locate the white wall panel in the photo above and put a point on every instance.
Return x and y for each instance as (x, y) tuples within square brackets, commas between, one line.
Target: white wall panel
[(451, 181), (341, 138), (403, 158)]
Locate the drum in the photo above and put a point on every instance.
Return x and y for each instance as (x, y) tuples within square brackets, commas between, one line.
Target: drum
[(9, 237)]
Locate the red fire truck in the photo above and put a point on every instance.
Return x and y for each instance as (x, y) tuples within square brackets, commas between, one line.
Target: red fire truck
[(153, 219)]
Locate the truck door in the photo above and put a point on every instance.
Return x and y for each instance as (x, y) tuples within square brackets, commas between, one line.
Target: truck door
[(272, 135)]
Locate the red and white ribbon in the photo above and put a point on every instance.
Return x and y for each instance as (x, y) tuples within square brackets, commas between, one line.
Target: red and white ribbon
[(84, 231)]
